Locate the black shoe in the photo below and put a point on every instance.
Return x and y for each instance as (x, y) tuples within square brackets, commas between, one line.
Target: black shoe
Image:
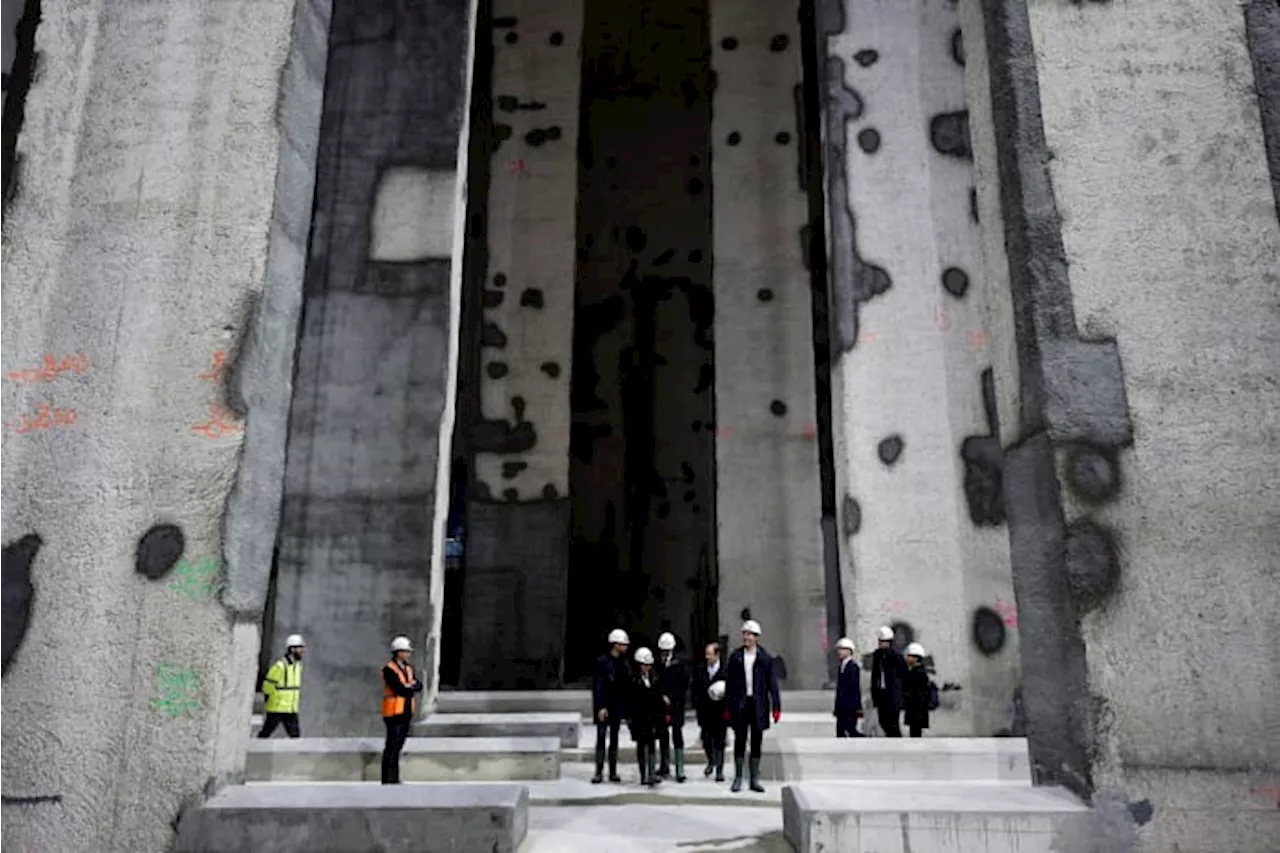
[(614, 777), (755, 776), (709, 769), (598, 778)]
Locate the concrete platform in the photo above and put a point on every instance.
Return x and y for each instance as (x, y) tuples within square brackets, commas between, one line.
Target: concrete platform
[(932, 817), (423, 759), (902, 759), (639, 828), (358, 818), (564, 725)]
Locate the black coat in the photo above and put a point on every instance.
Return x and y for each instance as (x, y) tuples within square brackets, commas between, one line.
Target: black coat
[(611, 685), (915, 693), (647, 708), (848, 689), (710, 713), (674, 678), (765, 697), (894, 667)]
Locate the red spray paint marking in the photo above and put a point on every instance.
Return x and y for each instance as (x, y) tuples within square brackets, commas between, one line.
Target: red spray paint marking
[(217, 372), (221, 422), (51, 369), (1008, 612), (518, 167), (46, 417)]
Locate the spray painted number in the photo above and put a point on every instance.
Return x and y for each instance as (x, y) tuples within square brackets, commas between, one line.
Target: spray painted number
[(197, 581), (177, 690)]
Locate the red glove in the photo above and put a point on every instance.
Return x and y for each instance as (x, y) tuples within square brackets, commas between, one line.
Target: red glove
[(859, 715), (726, 714), (777, 714), (668, 719)]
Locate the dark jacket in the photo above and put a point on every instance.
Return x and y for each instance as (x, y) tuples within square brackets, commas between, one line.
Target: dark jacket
[(764, 698), (710, 713), (647, 709), (610, 685), (848, 688), (894, 668), (674, 678), (915, 694)]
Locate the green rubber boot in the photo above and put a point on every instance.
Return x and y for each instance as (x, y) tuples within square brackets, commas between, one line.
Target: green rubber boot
[(679, 764), (737, 775)]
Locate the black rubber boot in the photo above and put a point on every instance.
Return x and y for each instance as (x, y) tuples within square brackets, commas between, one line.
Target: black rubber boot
[(755, 775), (613, 765), (720, 764), (642, 759), (711, 761), (679, 759), (599, 777), (664, 769), (737, 775)]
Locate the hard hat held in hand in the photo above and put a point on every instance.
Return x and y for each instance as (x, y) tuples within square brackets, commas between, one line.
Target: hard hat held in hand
[(619, 637), (667, 641), (643, 655), (886, 633), (915, 650), (716, 691), (401, 644), (751, 626), (294, 640)]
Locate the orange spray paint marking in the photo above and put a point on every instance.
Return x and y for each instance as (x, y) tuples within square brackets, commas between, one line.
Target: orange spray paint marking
[(518, 167), (940, 318), (221, 422), (217, 371), (978, 339), (1008, 612), (867, 338), (46, 417), (809, 431), (51, 369)]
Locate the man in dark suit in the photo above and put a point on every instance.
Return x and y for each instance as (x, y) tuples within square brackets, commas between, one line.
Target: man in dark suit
[(609, 688), (710, 710), (752, 697), (848, 691), (888, 670), (673, 674)]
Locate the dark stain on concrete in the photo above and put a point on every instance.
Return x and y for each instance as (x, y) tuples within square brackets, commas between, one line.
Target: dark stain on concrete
[(531, 298), (18, 593), (949, 133), (866, 58), (542, 135), (502, 436), (1093, 473), (1262, 31), (1092, 567), (988, 631), (890, 449), (869, 140), (852, 516), (159, 550), (984, 464), (955, 281)]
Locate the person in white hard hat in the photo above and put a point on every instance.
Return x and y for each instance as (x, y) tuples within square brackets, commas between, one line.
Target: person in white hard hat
[(848, 708), (708, 703), (888, 669), (282, 689), (609, 686), (400, 689), (915, 691), (673, 673), (647, 711), (751, 698)]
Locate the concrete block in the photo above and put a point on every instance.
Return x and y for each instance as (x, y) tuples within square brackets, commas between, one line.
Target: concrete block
[(932, 817), (355, 818), (565, 725), (474, 759), (905, 759)]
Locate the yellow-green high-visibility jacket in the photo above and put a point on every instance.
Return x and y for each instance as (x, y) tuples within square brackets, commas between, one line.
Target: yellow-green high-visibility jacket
[(283, 687)]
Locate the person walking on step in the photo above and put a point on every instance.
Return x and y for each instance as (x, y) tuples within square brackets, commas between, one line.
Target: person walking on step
[(673, 674), (400, 689), (848, 708), (708, 703), (918, 693), (283, 690), (752, 697), (888, 670), (609, 687), (648, 714)]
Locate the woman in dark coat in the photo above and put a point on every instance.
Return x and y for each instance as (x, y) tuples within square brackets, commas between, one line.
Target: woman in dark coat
[(648, 712), (915, 691), (673, 673)]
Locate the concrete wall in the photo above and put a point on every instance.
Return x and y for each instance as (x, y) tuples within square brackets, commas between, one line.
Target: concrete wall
[(1128, 163), (918, 460), (359, 552), (153, 272)]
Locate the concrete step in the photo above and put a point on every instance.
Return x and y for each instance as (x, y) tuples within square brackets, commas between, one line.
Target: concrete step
[(574, 788), (565, 725), (423, 759), (425, 818), (932, 817), (544, 701), (655, 828)]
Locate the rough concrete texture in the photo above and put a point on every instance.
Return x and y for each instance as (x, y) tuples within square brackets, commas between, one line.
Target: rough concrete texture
[(427, 818), (156, 206), (425, 759), (635, 828), (1156, 695), (915, 411), (901, 759), (361, 523), (562, 725), (768, 506), (1262, 27)]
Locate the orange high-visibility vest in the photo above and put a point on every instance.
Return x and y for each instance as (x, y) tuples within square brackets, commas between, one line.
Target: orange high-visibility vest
[(393, 705)]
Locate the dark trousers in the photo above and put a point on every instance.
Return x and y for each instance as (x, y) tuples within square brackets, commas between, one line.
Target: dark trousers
[(740, 729), (671, 733), (713, 738), (290, 722), (889, 721), (916, 731), (397, 731), (607, 731), (847, 724)]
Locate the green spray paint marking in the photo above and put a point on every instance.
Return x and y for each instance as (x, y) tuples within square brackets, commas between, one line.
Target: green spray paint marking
[(178, 689), (197, 581)]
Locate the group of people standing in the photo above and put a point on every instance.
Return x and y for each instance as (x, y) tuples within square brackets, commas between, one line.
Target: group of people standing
[(900, 688), (741, 694)]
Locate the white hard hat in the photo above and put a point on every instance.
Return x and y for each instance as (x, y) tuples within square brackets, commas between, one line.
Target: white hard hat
[(643, 655), (886, 633), (619, 636), (667, 641), (294, 640), (845, 643), (915, 650), (716, 691), (401, 644), (751, 625)]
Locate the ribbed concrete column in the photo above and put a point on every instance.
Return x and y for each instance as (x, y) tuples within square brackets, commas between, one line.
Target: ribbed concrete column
[(918, 458), (517, 562), (768, 505)]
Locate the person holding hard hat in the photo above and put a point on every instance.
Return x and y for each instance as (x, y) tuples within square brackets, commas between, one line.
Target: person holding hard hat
[(609, 686), (848, 691), (915, 691), (888, 670), (673, 674), (708, 703), (283, 690), (751, 698), (400, 689), (647, 709)]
